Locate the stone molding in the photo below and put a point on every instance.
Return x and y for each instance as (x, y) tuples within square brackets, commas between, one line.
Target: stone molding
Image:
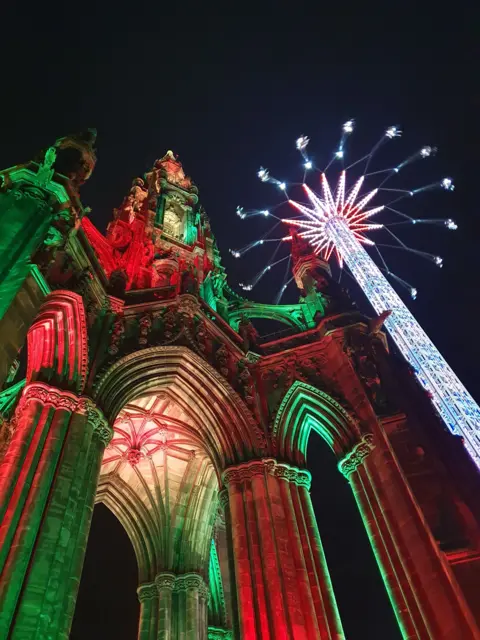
[(59, 399), (147, 591), (182, 583), (357, 455), (188, 305), (50, 396), (165, 580), (246, 471), (216, 633)]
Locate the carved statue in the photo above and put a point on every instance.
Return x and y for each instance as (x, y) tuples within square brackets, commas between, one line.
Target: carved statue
[(45, 170), (137, 195), (248, 332), (76, 156)]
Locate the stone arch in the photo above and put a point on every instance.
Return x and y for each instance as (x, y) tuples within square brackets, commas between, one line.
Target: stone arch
[(290, 315), (137, 522), (304, 408), (223, 421)]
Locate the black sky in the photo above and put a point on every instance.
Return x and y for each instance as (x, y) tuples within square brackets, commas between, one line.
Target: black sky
[(228, 93)]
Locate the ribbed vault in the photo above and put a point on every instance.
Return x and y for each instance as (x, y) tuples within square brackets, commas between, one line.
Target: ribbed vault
[(216, 413)]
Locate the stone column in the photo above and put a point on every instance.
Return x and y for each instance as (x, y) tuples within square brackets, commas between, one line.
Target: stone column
[(422, 589), (192, 595), (224, 503), (148, 597), (48, 481), (283, 586), (165, 584)]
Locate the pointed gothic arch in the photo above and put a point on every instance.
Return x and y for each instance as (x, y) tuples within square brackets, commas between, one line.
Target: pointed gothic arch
[(225, 424), (304, 408), (137, 522)]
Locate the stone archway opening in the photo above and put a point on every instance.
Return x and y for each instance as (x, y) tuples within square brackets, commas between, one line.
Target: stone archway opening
[(359, 590), (159, 479), (107, 605)]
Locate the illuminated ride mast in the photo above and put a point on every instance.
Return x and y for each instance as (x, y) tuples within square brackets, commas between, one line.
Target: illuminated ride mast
[(333, 224)]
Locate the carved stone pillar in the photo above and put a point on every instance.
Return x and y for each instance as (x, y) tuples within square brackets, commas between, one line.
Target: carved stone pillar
[(48, 481), (424, 593), (165, 584), (191, 595), (148, 597), (224, 502), (283, 586), (173, 608)]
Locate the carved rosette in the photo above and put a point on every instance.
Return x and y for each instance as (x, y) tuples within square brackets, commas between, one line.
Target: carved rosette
[(147, 591), (357, 455), (267, 466)]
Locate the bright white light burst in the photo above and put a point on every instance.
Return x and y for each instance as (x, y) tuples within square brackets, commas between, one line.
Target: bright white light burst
[(314, 227)]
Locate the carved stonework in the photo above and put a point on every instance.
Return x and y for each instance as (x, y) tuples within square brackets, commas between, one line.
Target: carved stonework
[(118, 331), (243, 472), (301, 477), (357, 455), (204, 592), (189, 305), (116, 305), (222, 360), (165, 580), (48, 396), (147, 591), (145, 324), (104, 433), (246, 381)]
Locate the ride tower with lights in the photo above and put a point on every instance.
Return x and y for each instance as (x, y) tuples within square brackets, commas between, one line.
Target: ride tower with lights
[(133, 375)]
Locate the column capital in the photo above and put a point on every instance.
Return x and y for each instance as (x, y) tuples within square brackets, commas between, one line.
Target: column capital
[(147, 591), (60, 399), (247, 470), (189, 581), (101, 428), (165, 580), (204, 592), (357, 455), (49, 396)]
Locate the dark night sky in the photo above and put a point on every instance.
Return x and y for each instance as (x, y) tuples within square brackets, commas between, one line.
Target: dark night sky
[(231, 93)]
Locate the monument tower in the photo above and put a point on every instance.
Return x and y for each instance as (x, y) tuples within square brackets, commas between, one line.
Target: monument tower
[(133, 375)]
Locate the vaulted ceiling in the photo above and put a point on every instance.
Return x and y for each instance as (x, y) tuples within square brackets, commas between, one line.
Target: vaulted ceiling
[(158, 479)]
